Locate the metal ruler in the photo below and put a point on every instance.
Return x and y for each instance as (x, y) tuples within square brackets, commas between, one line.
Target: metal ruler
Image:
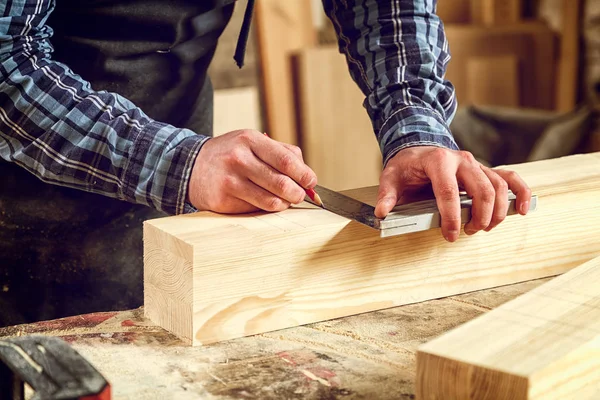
[(406, 218)]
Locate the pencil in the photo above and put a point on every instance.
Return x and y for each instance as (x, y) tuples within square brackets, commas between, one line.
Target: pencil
[(314, 196)]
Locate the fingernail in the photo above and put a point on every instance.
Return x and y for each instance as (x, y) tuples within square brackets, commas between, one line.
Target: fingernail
[(525, 207), (452, 236)]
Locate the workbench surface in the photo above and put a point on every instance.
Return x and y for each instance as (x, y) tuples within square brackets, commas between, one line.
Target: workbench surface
[(367, 356)]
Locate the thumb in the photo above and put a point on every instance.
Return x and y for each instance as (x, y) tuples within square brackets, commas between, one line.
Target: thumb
[(387, 197)]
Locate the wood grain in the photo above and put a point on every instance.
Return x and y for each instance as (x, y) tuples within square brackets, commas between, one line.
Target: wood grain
[(267, 271), (237, 108), (532, 44), (569, 62), (496, 12), (544, 344), (281, 27), (454, 11), (337, 136), (493, 81)]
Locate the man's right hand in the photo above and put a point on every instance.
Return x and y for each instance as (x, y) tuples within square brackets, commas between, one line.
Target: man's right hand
[(245, 171)]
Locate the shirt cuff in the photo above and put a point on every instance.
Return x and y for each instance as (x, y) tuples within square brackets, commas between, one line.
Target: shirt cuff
[(413, 126), (159, 167)]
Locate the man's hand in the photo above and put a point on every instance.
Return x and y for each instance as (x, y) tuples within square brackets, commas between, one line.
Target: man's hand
[(416, 168), (245, 171)]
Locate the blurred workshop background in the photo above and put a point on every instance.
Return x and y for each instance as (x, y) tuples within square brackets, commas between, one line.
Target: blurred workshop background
[(526, 72)]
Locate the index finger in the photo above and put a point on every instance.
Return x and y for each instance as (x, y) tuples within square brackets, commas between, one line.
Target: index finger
[(285, 161), (445, 188)]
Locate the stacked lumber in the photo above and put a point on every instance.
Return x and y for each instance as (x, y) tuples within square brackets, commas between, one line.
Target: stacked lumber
[(210, 277)]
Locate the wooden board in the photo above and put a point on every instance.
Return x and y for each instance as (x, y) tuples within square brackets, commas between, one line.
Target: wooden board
[(454, 11), (235, 109), (496, 12), (544, 344), (210, 277), (532, 44), (282, 27), (568, 67), (493, 81), (336, 133)]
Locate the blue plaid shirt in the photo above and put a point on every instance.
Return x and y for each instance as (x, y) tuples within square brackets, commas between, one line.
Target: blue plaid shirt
[(53, 124)]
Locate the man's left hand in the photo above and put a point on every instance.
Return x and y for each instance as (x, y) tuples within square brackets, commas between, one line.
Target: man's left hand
[(417, 168)]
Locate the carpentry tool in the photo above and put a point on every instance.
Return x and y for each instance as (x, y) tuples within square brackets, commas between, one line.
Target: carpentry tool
[(52, 368), (406, 218)]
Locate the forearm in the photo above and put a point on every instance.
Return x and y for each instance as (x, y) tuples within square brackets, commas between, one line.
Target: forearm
[(54, 125), (397, 53)]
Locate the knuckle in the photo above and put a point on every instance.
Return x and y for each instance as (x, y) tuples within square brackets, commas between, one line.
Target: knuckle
[(502, 185), (297, 151), (285, 162), (448, 192), (467, 156), (487, 195), (453, 222), (228, 182), (283, 184), (246, 135), (274, 204), (236, 157), (479, 223), (499, 217), (512, 176), (440, 154), (306, 178)]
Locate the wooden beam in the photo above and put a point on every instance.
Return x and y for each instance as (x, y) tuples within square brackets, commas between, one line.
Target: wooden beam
[(493, 81), (568, 65), (454, 11), (544, 344), (496, 12), (533, 46), (210, 277), (332, 117), (281, 27), (235, 109)]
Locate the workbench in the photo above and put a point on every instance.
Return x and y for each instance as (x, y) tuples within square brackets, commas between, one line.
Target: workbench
[(366, 356)]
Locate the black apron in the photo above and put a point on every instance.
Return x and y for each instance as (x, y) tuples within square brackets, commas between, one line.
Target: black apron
[(64, 251)]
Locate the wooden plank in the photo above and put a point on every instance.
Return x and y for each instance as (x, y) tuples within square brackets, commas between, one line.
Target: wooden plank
[(281, 27), (235, 109), (568, 67), (210, 277), (544, 344), (496, 12), (532, 44), (493, 81), (454, 11), (337, 136)]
